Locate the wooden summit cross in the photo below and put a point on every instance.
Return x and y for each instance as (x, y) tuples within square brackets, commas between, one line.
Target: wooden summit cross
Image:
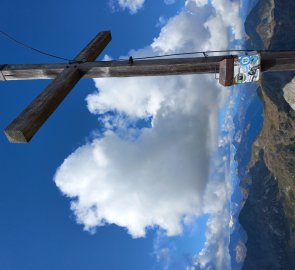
[(65, 76)]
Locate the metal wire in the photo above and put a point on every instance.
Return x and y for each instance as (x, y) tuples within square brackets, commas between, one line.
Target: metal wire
[(30, 47)]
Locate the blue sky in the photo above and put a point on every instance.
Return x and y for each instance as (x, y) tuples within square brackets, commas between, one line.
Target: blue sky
[(142, 195)]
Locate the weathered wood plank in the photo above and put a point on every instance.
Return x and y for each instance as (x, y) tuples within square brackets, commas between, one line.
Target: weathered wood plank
[(278, 64), (2, 77), (32, 71), (23, 128), (95, 47), (274, 55), (118, 68), (156, 67), (281, 61), (277, 61)]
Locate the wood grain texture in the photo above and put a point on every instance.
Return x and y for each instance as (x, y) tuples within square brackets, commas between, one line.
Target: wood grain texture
[(67, 75), (100, 69), (277, 61), (94, 47), (281, 61), (23, 128)]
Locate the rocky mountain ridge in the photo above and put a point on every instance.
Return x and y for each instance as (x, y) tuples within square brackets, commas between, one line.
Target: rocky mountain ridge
[(268, 214)]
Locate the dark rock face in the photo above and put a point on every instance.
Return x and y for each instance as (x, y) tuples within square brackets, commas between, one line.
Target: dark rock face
[(265, 222), (284, 16), (259, 24), (277, 139), (268, 215)]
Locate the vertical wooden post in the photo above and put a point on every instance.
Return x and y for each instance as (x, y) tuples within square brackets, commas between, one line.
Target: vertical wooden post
[(23, 128)]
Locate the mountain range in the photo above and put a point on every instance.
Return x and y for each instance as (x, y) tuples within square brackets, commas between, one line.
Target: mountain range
[(266, 170)]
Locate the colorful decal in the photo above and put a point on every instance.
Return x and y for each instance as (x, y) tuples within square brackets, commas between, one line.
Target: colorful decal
[(247, 68)]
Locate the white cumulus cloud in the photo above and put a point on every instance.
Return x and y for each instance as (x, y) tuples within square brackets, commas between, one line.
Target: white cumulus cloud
[(156, 180), (199, 3), (132, 5), (214, 254), (159, 178)]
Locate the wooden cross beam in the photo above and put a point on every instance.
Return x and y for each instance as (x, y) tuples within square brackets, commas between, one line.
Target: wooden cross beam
[(100, 69), (23, 128), (270, 61), (65, 76)]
